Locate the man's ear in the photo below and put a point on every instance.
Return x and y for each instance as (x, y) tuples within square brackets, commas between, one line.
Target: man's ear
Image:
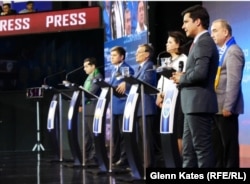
[(197, 22), (226, 32), (122, 57), (147, 54)]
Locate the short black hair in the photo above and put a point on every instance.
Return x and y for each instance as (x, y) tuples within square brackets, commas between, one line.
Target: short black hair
[(120, 50), (198, 12), (29, 2), (148, 48), (91, 60), (7, 4)]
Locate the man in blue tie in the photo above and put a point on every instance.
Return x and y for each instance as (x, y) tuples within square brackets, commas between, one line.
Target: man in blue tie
[(118, 54)]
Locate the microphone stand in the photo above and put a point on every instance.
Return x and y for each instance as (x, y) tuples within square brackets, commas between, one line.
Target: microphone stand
[(68, 83), (158, 58), (39, 145), (54, 131), (158, 65), (73, 71), (45, 86)]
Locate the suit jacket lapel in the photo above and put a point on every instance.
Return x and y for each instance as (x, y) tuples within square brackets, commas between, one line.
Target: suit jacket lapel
[(113, 73), (138, 71)]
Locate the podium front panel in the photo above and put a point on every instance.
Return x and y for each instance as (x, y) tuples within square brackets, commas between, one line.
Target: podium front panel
[(51, 115), (130, 132), (98, 117), (72, 106), (168, 126), (168, 110), (128, 117), (73, 128)]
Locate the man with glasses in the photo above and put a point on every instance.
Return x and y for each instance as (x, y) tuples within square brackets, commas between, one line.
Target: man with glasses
[(145, 73)]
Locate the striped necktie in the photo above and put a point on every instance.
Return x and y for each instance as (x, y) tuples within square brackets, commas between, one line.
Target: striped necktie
[(139, 68)]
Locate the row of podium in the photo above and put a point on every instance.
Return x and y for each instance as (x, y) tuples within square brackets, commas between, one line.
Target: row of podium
[(138, 89)]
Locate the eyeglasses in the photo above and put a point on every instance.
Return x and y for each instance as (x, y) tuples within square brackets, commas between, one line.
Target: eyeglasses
[(139, 52)]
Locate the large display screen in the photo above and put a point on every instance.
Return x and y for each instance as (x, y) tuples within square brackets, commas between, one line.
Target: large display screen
[(39, 6), (126, 25), (237, 13)]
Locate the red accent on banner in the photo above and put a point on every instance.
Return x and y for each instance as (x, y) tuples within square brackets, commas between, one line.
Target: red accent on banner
[(54, 21)]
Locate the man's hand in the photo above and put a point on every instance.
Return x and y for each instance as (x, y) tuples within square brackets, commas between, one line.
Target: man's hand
[(176, 77), (159, 99), (121, 88), (226, 113)]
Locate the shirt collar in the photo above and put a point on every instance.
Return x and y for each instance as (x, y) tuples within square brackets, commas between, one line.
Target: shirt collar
[(198, 35), (141, 64), (117, 66)]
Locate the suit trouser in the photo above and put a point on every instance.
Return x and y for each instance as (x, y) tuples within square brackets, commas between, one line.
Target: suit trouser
[(226, 142), (150, 119), (197, 141), (89, 138), (89, 135), (119, 152)]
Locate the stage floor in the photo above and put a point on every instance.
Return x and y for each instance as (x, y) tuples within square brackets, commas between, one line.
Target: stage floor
[(25, 168)]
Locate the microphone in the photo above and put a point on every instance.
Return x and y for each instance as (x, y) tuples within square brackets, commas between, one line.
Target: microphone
[(73, 71), (68, 83), (180, 67), (158, 57), (49, 76)]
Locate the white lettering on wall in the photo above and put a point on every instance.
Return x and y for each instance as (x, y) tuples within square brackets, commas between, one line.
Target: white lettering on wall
[(15, 24), (65, 20)]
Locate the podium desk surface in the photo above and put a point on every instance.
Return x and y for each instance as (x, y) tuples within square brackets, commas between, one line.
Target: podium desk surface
[(87, 93), (149, 89), (104, 84), (165, 71)]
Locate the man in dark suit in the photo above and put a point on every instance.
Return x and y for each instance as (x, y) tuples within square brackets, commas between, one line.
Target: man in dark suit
[(229, 95), (145, 73), (118, 54), (198, 98), (90, 104)]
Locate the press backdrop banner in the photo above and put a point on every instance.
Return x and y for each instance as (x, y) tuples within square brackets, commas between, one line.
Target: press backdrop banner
[(54, 21)]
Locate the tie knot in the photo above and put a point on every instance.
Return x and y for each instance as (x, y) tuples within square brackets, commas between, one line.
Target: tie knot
[(191, 46)]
